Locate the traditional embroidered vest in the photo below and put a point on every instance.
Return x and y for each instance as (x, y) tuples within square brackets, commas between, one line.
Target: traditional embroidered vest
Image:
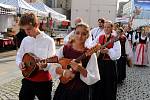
[(102, 40), (143, 41)]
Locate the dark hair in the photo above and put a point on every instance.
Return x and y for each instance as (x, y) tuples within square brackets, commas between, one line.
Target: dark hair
[(28, 19), (102, 20)]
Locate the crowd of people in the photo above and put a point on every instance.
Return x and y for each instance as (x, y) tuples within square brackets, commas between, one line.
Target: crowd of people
[(85, 71)]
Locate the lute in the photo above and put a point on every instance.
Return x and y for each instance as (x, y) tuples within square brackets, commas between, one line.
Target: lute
[(65, 62), (30, 61)]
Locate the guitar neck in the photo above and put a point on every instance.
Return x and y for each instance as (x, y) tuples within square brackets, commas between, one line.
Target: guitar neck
[(95, 49), (80, 58), (52, 59)]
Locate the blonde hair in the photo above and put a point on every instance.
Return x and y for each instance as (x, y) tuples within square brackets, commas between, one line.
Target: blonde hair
[(86, 28)]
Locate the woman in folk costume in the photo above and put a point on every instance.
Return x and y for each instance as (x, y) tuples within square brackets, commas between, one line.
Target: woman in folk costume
[(125, 54), (106, 88), (75, 81), (141, 57), (130, 37)]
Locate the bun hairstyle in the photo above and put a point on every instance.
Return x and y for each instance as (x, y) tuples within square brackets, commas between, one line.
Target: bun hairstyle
[(29, 19)]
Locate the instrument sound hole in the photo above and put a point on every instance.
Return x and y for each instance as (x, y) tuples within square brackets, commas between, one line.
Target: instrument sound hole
[(28, 64), (68, 66)]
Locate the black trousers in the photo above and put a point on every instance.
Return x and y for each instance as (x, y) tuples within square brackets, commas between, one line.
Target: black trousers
[(121, 68), (106, 87), (31, 89)]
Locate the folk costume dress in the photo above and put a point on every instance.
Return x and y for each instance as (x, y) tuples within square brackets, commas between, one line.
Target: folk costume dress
[(106, 88), (142, 51), (121, 62), (78, 87), (131, 39)]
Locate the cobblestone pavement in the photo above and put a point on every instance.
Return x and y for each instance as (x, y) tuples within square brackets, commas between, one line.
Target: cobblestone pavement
[(10, 90), (135, 87)]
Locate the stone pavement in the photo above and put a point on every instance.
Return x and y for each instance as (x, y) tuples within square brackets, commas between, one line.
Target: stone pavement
[(135, 87), (10, 90), (7, 53)]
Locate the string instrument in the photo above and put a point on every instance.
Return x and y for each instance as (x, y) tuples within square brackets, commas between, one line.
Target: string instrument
[(30, 61), (65, 62)]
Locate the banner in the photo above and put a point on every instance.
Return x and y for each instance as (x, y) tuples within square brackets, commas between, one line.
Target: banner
[(143, 4)]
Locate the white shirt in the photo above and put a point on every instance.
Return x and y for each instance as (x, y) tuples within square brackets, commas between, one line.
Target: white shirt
[(92, 69), (95, 32), (115, 52), (43, 46), (87, 42)]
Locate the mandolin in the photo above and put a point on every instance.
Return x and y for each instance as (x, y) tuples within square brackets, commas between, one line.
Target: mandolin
[(30, 61), (65, 62)]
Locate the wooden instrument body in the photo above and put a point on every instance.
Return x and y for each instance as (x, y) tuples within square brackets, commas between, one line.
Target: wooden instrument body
[(64, 63), (30, 61)]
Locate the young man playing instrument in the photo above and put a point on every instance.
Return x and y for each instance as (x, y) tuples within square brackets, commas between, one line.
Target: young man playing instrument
[(43, 46)]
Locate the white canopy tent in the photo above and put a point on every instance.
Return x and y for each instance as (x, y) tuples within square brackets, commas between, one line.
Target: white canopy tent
[(7, 13), (7, 9), (41, 6), (22, 7)]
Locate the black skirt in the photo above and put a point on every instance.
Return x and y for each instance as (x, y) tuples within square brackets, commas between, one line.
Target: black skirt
[(63, 93)]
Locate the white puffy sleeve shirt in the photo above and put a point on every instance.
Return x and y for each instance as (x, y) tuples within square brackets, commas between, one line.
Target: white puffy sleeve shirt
[(92, 69), (115, 52), (43, 46)]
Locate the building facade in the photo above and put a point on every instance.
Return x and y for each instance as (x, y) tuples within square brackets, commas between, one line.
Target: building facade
[(120, 9), (144, 17), (92, 10)]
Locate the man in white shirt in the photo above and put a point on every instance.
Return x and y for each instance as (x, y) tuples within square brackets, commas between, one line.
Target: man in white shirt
[(96, 31), (43, 46)]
